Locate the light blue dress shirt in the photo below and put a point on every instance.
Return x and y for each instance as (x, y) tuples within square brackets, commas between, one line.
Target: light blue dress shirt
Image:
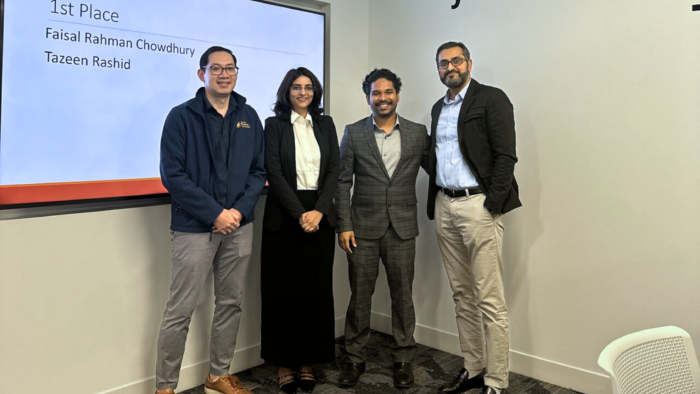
[(452, 170)]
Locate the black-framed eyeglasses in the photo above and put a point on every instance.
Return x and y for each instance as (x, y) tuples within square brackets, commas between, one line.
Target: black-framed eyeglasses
[(299, 88), (217, 70), (456, 61)]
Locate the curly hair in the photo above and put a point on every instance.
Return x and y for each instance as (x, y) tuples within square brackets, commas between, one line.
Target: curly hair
[(378, 73)]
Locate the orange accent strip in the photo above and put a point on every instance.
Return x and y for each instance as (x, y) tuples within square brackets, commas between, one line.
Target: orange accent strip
[(50, 192)]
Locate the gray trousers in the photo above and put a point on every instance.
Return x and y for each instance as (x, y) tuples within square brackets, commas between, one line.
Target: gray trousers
[(398, 256), (193, 255)]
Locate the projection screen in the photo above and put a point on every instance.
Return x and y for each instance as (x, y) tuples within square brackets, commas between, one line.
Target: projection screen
[(86, 86)]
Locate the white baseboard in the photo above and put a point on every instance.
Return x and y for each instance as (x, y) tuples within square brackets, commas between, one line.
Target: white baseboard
[(578, 379), (563, 375), (545, 370), (193, 375)]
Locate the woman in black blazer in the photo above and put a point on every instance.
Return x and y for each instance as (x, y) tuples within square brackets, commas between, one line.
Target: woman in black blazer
[(298, 244)]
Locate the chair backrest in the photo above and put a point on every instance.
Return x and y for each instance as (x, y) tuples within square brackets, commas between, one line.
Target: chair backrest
[(656, 361)]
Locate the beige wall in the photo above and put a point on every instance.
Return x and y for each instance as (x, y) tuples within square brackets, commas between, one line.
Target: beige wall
[(82, 295), (607, 112)]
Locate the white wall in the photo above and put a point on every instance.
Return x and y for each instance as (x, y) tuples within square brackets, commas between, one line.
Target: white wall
[(607, 102), (82, 295), (607, 108)]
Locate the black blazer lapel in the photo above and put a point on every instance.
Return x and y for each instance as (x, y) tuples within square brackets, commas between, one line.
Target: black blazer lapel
[(290, 147), (323, 147), (468, 101), (434, 117), (372, 144), (469, 98)]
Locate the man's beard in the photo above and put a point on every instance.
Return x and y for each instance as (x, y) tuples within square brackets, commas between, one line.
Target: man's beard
[(455, 82)]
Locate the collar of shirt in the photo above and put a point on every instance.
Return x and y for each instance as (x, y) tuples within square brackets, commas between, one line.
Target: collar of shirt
[(296, 116), (459, 97), (397, 125), (209, 107)]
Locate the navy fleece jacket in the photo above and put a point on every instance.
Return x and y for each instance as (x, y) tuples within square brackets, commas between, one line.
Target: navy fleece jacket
[(187, 165)]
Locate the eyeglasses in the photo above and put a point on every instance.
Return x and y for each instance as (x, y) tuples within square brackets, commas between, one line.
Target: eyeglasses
[(298, 88), (457, 61), (217, 70)]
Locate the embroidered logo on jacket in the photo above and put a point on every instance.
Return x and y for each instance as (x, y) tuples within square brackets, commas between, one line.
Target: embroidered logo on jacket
[(243, 125)]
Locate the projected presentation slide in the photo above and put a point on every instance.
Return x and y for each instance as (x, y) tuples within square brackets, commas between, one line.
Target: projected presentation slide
[(86, 86)]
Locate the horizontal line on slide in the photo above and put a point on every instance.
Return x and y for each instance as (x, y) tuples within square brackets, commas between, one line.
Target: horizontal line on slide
[(180, 38)]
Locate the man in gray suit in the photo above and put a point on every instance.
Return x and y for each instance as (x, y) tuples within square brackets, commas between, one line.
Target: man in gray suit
[(383, 152)]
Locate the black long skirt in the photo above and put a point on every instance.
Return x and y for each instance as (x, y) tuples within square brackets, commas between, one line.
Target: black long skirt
[(298, 318)]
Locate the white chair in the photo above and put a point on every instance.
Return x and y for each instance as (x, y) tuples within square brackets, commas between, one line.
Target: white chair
[(656, 361)]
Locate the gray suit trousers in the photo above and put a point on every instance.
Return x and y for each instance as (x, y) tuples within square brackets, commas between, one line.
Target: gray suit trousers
[(194, 254), (398, 256)]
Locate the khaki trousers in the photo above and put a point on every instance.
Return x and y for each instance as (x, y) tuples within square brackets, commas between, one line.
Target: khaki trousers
[(470, 241)]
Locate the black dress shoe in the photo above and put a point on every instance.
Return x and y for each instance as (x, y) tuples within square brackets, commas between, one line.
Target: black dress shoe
[(462, 383), (288, 386), (490, 390), (307, 381), (350, 375), (403, 375)]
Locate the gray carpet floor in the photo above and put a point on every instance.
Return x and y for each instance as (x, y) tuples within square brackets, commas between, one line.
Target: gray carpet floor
[(431, 369)]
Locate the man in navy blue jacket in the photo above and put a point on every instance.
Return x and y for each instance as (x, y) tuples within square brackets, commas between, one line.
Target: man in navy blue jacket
[(212, 163)]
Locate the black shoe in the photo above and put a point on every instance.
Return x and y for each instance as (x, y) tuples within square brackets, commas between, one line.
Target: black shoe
[(290, 385), (307, 381), (462, 383), (403, 375), (490, 390), (350, 375)]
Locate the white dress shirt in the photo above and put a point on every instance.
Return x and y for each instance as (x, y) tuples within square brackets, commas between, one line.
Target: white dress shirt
[(307, 153)]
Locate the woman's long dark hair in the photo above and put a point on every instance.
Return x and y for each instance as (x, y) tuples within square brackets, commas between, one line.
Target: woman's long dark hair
[(283, 108)]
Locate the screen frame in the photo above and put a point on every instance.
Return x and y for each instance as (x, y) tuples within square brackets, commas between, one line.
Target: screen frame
[(120, 202)]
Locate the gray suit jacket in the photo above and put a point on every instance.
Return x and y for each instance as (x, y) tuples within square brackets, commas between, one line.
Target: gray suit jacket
[(378, 200)]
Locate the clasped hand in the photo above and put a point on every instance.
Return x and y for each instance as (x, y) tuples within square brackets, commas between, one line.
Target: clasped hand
[(309, 221), (227, 222)]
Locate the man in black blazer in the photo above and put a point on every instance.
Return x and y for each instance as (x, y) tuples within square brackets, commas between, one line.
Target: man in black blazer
[(470, 164)]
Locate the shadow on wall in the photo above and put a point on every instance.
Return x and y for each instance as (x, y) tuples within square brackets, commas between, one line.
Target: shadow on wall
[(159, 272), (523, 228), (431, 283)]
